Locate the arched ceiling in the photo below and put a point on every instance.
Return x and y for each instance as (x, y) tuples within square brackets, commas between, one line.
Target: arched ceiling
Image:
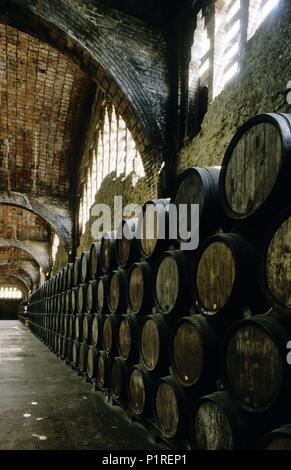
[(44, 99), (20, 224)]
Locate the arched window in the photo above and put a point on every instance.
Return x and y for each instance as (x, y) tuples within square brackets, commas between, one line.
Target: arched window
[(113, 150)]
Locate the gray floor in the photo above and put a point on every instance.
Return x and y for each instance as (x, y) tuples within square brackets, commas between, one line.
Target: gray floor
[(45, 405)]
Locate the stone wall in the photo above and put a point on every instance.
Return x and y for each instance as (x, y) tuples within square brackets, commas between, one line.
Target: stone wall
[(137, 194), (62, 258), (258, 87)]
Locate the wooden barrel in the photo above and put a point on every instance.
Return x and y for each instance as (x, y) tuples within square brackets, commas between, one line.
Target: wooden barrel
[(92, 356), (83, 354), (155, 337), (218, 424), (117, 286), (63, 279), (172, 283), (87, 327), (109, 333), (108, 252), (59, 303), (275, 264), (97, 329), (103, 369), (66, 325), (225, 276), (75, 353), (85, 273), (140, 288), (81, 298), (68, 302), (128, 337), (153, 227), (64, 347), (126, 243), (279, 439), (68, 355), (72, 321), (197, 185), (57, 283), (73, 303), (194, 353), (254, 366), (94, 263), (91, 297), (101, 299), (77, 271), (170, 408), (119, 375), (70, 275), (140, 391), (63, 302), (79, 327), (255, 169)]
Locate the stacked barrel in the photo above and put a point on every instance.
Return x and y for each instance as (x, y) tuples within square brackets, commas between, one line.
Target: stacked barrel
[(194, 341)]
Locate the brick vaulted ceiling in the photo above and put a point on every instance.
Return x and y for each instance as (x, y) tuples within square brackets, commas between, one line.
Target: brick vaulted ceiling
[(19, 224), (44, 99), (45, 102)]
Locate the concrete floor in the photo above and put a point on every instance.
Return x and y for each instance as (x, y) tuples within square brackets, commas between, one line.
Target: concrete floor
[(45, 405)]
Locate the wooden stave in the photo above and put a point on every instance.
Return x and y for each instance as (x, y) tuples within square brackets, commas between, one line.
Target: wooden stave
[(211, 216), (133, 251), (283, 432), (107, 362), (280, 335), (85, 274), (95, 247), (87, 318), (94, 351), (246, 280), (76, 271), (149, 383), (269, 297), (184, 264), (92, 287), (124, 370), (148, 300), (280, 190), (122, 301), (113, 321), (100, 320), (211, 348), (182, 402), (162, 206), (236, 418), (112, 263), (134, 325), (165, 336)]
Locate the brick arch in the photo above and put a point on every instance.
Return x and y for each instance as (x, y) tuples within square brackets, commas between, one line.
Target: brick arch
[(38, 250), (18, 272), (58, 218), (140, 77), (14, 280), (27, 267)]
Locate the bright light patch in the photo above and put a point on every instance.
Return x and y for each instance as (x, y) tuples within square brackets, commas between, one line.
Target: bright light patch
[(10, 293), (230, 72), (233, 10), (268, 7), (203, 68)]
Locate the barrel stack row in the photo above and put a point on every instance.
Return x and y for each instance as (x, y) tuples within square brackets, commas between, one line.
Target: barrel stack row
[(192, 340)]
